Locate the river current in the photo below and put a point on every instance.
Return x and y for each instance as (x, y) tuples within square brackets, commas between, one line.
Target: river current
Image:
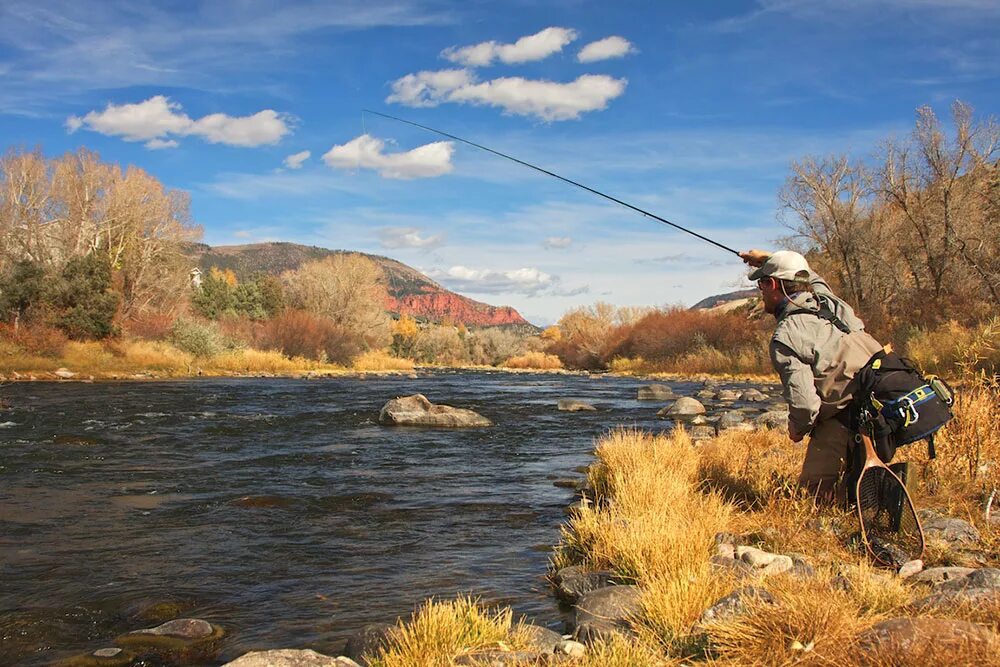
[(279, 508)]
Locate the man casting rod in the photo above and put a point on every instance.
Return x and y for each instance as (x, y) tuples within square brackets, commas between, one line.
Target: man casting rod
[(555, 175)]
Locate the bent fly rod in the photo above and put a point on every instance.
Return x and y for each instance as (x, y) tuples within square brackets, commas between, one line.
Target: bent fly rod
[(555, 175)]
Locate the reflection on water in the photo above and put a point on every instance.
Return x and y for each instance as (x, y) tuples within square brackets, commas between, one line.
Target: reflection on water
[(280, 509)]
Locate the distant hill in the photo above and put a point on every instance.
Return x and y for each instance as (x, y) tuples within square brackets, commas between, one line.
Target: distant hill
[(726, 301), (410, 292)]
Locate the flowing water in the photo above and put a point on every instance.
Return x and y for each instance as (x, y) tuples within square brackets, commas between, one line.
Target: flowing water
[(279, 508)]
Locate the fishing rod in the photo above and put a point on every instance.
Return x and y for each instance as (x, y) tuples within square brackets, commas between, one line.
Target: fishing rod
[(555, 175)]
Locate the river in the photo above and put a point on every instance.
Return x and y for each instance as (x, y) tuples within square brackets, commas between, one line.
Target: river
[(279, 509)]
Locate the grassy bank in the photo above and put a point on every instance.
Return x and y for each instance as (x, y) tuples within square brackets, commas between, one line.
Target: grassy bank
[(659, 502)]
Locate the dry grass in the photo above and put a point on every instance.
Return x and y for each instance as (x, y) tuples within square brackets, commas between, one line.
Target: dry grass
[(256, 361), (380, 360), (534, 360), (439, 631), (952, 348)]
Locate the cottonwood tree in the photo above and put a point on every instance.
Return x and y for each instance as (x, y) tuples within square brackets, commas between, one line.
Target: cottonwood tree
[(347, 288)]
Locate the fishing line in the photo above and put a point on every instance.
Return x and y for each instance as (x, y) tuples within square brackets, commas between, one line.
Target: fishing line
[(555, 175)]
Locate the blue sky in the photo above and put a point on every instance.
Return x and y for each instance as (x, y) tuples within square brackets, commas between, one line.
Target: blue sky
[(693, 111)]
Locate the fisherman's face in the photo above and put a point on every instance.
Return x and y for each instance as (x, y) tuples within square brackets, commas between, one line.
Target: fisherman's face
[(770, 294)]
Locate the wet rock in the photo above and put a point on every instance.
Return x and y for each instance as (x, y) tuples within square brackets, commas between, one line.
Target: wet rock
[(542, 639), (911, 568), (107, 652), (568, 405), (951, 530), (735, 603), (416, 410), (913, 640), (368, 641), (177, 641), (754, 395), (103, 657), (655, 392), (776, 420), (64, 373), (289, 658), (727, 395), (567, 483), (573, 582), (604, 612), (939, 575), (181, 628), (706, 394), (683, 409)]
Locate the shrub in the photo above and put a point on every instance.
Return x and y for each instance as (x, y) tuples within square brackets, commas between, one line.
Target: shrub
[(84, 295), (151, 325), (37, 339), (951, 348), (21, 290), (441, 345), (535, 360), (380, 360), (202, 339), (493, 346), (297, 333)]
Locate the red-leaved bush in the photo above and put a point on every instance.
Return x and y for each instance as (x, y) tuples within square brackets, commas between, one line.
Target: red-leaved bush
[(668, 334), (297, 333)]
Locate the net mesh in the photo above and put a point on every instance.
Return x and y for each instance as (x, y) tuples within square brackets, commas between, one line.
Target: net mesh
[(888, 520)]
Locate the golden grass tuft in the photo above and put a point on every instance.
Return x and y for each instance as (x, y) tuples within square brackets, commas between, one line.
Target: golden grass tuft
[(629, 366), (154, 355), (380, 360), (534, 360), (251, 361), (621, 652), (439, 631)]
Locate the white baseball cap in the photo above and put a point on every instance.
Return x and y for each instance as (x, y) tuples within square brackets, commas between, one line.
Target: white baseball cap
[(783, 265)]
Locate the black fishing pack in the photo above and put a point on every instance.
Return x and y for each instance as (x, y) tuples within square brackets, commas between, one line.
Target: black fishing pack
[(896, 405)]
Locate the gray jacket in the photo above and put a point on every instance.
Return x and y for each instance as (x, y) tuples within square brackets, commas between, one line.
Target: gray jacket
[(815, 360)]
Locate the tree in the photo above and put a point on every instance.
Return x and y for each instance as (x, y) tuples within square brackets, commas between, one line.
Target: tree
[(348, 289), (84, 297), (22, 288)]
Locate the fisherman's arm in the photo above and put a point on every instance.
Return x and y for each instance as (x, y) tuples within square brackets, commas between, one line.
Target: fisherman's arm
[(799, 390)]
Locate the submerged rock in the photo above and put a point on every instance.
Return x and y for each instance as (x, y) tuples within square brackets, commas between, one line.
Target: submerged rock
[(416, 410), (569, 405), (178, 641), (656, 392)]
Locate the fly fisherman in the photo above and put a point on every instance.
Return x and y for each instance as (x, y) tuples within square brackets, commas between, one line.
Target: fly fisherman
[(818, 345)]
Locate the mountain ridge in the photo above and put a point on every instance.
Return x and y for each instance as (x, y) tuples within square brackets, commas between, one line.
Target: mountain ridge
[(410, 292)]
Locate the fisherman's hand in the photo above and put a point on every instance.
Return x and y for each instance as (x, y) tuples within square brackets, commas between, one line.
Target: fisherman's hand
[(755, 257), (793, 434)]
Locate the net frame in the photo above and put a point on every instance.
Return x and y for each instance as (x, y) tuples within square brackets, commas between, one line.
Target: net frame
[(885, 511)]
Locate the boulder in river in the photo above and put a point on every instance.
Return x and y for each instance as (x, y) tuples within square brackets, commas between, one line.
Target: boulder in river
[(656, 392), (181, 640), (416, 410), (569, 405), (683, 409)]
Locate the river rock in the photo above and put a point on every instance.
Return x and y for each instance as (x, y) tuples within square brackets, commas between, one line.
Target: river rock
[(64, 373), (731, 566), (573, 582), (727, 395), (368, 641), (951, 530), (939, 575), (568, 405), (911, 568), (571, 648), (182, 640), (656, 392), (606, 611), (700, 432), (967, 597), (754, 396), (498, 658), (776, 420), (728, 420), (541, 639), (735, 603), (986, 577), (914, 640), (287, 657), (416, 410), (181, 628), (706, 394), (683, 409), (110, 652)]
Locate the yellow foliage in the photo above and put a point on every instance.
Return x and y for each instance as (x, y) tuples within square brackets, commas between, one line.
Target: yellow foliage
[(627, 366), (534, 360), (405, 326), (552, 334), (380, 360)]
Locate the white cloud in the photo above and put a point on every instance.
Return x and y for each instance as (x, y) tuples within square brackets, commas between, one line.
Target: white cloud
[(428, 89), (539, 46), (521, 281), (368, 152), (603, 49), (295, 160), (557, 242), (407, 237), (158, 144), (155, 119), (548, 100)]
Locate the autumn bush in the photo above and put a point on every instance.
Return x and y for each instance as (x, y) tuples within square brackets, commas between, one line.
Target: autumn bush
[(150, 325), (297, 333), (36, 339), (534, 360)]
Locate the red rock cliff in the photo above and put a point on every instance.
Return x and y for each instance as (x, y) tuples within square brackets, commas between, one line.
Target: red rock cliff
[(436, 306)]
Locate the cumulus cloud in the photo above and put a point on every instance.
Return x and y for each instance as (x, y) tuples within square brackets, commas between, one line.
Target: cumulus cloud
[(604, 49), (368, 152), (407, 237), (557, 242), (295, 160), (521, 281), (156, 119), (539, 46), (548, 100)]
